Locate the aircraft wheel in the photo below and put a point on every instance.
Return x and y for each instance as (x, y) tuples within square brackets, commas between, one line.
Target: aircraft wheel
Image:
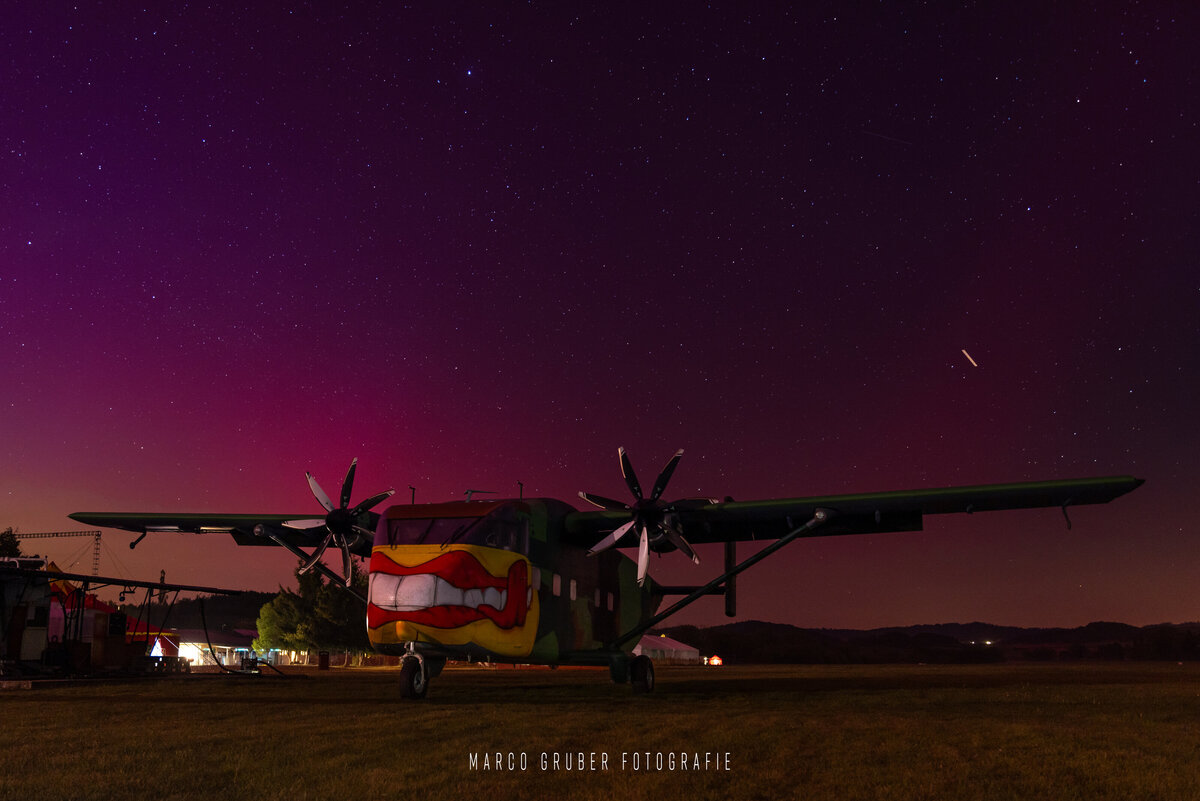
[(641, 672), (413, 681)]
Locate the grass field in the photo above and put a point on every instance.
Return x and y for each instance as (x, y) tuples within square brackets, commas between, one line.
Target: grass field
[(1108, 731)]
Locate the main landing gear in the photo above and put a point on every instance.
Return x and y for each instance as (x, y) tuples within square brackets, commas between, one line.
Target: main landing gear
[(641, 674), (638, 671)]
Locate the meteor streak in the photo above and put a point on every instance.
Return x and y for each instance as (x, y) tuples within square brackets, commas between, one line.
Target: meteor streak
[(972, 361)]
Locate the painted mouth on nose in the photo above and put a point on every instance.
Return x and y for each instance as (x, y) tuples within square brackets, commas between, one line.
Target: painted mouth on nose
[(449, 591)]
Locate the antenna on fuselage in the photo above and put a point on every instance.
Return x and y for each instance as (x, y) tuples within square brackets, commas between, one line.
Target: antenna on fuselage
[(470, 492), (412, 499), (521, 490)]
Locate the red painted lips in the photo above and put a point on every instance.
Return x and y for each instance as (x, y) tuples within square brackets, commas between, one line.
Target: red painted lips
[(461, 570)]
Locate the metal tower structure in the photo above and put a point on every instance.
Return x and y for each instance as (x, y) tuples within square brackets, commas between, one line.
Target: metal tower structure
[(95, 535)]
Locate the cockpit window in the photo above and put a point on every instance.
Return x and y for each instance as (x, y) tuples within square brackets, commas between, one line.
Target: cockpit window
[(435, 531), (505, 528)]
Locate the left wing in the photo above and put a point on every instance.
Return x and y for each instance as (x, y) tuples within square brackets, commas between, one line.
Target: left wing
[(705, 521), (239, 526), (291, 532), (351, 530)]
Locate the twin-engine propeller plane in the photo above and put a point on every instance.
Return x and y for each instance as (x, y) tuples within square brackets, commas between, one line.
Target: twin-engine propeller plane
[(536, 581)]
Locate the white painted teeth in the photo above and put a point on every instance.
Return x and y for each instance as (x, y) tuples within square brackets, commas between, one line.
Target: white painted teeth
[(444, 593), (422, 591), (411, 591)]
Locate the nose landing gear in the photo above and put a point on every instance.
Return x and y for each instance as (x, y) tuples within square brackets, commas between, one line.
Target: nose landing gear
[(415, 673), (413, 681)]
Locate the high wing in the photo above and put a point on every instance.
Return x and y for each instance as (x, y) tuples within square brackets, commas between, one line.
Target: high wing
[(350, 530), (239, 526), (703, 521), (292, 532)]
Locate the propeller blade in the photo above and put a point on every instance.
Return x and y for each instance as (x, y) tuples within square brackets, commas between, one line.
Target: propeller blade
[(611, 539), (675, 537), (630, 476), (643, 556), (304, 525), (604, 503), (319, 493), (365, 532), (345, 561), (348, 485), (665, 476), (369, 502), (316, 555)]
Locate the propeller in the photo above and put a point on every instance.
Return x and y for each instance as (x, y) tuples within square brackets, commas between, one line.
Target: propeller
[(342, 524), (650, 517)]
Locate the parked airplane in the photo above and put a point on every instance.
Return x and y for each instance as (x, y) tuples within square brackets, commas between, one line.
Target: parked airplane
[(536, 581)]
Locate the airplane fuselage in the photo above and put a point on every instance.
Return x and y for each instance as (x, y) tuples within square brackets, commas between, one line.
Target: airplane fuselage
[(495, 581)]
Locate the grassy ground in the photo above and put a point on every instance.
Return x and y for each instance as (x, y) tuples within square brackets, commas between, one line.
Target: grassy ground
[(1119, 731)]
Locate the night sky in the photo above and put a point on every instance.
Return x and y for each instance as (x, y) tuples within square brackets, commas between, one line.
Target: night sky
[(476, 245)]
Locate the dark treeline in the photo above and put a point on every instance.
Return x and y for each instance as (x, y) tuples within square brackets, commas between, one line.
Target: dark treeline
[(221, 611)]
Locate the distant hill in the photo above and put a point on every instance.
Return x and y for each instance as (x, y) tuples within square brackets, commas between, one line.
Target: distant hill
[(756, 642)]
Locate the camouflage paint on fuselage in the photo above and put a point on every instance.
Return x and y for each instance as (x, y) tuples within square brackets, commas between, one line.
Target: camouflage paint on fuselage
[(449, 578)]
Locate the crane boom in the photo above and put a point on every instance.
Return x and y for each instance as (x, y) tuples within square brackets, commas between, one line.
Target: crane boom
[(95, 535)]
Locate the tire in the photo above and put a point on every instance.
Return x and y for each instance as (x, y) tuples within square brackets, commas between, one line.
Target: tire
[(413, 681), (641, 672)]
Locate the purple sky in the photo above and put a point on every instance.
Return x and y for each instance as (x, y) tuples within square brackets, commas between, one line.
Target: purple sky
[(480, 246)]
